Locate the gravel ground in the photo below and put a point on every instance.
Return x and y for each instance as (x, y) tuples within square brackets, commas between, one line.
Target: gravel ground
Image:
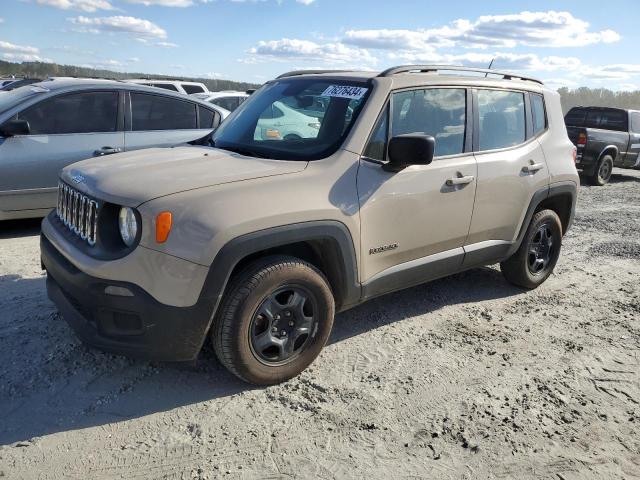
[(466, 377)]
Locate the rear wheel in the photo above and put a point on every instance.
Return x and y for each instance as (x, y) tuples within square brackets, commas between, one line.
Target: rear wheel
[(538, 254), (603, 171), (274, 321)]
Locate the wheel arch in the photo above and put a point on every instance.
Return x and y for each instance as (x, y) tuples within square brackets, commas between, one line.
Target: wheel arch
[(560, 197), (611, 150), (328, 245)]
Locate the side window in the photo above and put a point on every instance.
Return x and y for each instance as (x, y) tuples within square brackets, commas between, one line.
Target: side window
[(539, 115), (635, 122), (501, 119), (90, 112), (439, 112), (192, 88), (156, 112), (377, 146)]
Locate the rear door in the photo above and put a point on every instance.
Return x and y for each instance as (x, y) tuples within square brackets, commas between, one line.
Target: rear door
[(64, 129), (156, 120), (511, 168)]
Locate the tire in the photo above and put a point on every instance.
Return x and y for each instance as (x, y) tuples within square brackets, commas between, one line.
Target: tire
[(524, 267), (262, 298), (603, 171)]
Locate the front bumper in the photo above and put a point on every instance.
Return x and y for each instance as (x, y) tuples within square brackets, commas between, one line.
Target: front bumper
[(135, 325)]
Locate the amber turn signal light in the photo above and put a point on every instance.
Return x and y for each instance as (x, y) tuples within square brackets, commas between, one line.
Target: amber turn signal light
[(163, 226)]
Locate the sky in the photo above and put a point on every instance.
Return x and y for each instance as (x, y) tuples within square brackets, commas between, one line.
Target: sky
[(565, 43)]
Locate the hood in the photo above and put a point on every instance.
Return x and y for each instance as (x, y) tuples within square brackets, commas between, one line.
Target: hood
[(136, 177)]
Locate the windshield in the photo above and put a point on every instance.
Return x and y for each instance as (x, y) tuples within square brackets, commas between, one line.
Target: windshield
[(12, 98), (294, 119)]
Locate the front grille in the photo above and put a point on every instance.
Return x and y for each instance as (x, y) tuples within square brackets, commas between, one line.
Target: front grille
[(78, 212)]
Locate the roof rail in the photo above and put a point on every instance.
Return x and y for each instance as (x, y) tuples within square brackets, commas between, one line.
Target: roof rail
[(454, 68), (296, 73)]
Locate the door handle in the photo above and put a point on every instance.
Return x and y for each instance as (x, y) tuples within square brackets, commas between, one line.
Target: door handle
[(451, 182), (101, 152), (532, 167)]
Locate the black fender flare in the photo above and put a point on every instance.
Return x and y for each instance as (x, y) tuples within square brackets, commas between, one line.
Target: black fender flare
[(239, 248), (550, 191)]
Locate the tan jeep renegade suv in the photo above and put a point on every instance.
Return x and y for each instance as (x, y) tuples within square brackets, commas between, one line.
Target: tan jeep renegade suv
[(257, 237)]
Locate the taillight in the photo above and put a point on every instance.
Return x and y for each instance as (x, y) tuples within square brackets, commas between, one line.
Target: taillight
[(582, 139), (575, 154)]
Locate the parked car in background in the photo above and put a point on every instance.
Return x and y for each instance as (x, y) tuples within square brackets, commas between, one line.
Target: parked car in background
[(229, 100), (605, 138), (48, 125), (179, 86), (281, 122)]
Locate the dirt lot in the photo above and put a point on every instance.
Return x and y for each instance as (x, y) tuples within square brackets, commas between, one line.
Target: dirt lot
[(466, 377)]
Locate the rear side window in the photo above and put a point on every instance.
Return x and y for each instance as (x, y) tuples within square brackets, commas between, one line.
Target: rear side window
[(207, 118), (156, 112), (614, 120), (539, 115), (192, 88), (88, 112), (501, 119), (439, 112)]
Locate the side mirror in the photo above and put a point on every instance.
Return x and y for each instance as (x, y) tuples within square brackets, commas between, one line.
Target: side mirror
[(15, 127), (410, 149)]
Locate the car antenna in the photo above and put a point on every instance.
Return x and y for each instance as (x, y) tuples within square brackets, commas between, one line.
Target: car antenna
[(490, 65)]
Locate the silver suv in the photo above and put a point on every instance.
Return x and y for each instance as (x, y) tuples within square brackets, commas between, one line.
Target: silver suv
[(257, 240)]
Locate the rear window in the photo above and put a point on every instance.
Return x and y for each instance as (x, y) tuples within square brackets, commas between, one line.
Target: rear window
[(605, 118), (635, 122)]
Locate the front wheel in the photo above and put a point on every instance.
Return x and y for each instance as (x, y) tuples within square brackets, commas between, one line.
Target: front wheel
[(538, 253), (274, 320)]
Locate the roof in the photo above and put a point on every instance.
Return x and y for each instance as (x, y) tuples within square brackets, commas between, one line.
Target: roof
[(70, 83)]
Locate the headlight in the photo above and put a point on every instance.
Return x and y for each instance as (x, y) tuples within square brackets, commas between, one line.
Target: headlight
[(128, 226)]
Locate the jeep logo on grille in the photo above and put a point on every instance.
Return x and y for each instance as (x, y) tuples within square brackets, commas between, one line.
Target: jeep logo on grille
[(77, 178)]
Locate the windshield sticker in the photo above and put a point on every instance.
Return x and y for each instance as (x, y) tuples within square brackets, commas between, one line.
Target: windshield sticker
[(345, 91)]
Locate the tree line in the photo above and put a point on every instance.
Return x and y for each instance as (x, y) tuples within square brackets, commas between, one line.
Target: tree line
[(598, 97), (44, 70)]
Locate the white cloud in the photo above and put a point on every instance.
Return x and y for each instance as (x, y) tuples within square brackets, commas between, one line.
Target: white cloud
[(13, 48), (163, 3), (119, 24), (82, 5), (538, 29), (305, 2), (289, 49), (24, 57)]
